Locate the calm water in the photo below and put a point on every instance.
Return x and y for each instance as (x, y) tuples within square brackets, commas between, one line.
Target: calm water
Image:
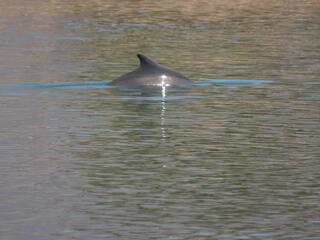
[(227, 159)]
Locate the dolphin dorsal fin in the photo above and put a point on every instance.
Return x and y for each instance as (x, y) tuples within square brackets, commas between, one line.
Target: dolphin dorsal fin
[(144, 61)]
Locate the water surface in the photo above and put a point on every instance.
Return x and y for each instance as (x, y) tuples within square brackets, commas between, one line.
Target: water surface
[(234, 157)]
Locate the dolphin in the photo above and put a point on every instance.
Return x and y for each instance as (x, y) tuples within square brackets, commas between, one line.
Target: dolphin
[(150, 73)]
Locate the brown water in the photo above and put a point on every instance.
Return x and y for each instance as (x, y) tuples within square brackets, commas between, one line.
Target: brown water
[(79, 160)]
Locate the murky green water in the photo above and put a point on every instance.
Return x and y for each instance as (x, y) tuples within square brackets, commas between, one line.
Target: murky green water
[(217, 161)]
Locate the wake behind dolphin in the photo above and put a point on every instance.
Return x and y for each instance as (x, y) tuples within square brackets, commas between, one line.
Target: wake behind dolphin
[(103, 84), (150, 73)]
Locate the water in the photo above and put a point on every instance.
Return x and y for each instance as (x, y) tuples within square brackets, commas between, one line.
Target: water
[(234, 157)]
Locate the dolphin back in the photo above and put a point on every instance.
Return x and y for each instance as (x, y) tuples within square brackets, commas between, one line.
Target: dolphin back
[(149, 73)]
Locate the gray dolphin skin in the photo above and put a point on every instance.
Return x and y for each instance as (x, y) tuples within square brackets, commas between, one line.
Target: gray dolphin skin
[(150, 73)]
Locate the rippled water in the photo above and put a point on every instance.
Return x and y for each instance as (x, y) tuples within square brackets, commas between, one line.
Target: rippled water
[(234, 157)]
